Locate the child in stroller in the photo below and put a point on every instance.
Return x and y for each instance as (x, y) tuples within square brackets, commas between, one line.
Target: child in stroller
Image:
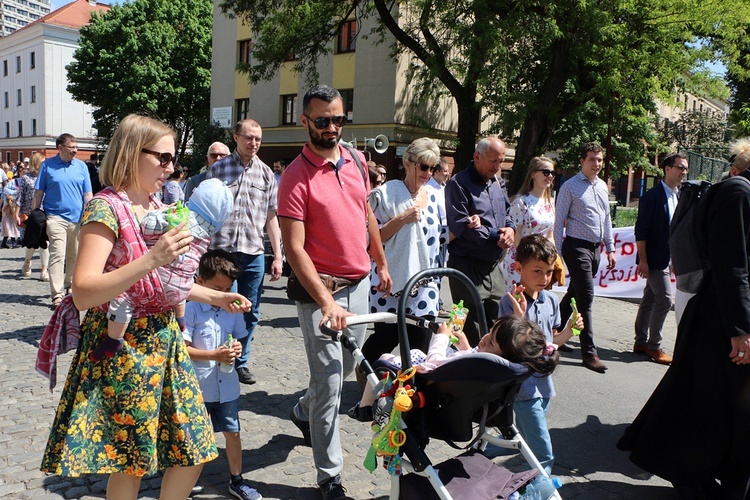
[(457, 402), (516, 339)]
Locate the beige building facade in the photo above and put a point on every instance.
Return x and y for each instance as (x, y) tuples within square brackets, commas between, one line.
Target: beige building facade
[(378, 96)]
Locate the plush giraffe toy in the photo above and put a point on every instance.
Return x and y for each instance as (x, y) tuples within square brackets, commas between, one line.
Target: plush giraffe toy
[(389, 438)]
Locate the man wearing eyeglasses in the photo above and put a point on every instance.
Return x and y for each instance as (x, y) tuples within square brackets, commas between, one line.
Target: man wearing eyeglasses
[(254, 189), (216, 152), (655, 211), (475, 250), (62, 189), (582, 210), (325, 223)]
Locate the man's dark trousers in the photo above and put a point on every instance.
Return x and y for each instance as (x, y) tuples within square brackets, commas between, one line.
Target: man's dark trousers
[(582, 260)]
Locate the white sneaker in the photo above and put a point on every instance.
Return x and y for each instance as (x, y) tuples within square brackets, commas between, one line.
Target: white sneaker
[(44, 276)]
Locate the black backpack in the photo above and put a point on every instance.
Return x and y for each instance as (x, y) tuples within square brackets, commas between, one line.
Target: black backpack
[(35, 235), (687, 241)]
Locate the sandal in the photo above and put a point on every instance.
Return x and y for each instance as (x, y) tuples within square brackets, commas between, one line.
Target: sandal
[(26, 269), (56, 302)]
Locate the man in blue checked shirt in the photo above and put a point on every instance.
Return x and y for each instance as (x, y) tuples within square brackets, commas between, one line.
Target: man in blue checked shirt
[(254, 189), (582, 210)]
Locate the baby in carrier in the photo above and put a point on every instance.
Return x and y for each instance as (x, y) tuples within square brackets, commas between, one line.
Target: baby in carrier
[(208, 208)]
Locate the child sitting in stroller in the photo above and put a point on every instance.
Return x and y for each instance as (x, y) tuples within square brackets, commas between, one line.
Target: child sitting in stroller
[(209, 206), (514, 338)]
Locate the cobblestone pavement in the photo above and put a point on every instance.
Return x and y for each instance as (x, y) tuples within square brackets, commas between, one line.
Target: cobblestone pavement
[(586, 418)]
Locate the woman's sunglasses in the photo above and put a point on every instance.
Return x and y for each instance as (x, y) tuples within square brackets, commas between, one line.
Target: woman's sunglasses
[(425, 168), (322, 122), (164, 158), (547, 173)]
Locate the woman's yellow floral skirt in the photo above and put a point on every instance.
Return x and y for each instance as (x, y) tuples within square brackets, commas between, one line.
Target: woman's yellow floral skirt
[(138, 412)]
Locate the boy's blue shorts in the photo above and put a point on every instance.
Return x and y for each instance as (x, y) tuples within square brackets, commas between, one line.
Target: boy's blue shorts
[(225, 417)]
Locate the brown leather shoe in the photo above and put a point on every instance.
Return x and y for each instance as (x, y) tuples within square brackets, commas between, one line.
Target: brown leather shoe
[(659, 356), (594, 363), (640, 349)]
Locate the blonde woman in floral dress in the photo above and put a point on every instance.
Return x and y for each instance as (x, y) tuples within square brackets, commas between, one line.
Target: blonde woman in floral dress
[(140, 411), (532, 211)]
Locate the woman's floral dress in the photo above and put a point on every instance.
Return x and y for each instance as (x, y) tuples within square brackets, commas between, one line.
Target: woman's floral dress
[(138, 412), (531, 215)]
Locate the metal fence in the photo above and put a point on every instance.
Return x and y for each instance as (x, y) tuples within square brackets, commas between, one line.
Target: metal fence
[(703, 167)]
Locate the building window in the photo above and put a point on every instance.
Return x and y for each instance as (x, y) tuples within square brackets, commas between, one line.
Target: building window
[(18, 97), (33, 93), (20, 156), (7, 157), (32, 60), (289, 109), (347, 97), (244, 52), (33, 129), (347, 41), (7, 131), (5, 99), (18, 64), (243, 108), (5, 67), (20, 130)]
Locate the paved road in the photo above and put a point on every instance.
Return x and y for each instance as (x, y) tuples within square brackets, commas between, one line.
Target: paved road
[(586, 418)]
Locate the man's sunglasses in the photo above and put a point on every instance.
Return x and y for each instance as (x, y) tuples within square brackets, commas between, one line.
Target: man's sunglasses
[(547, 173), (164, 158), (217, 155), (322, 122)]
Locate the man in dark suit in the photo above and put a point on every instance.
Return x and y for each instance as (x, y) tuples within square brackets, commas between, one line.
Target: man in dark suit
[(655, 211)]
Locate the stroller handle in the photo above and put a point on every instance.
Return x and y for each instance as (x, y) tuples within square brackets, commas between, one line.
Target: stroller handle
[(380, 317), (401, 317)]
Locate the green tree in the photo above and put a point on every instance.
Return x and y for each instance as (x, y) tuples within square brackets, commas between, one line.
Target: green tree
[(540, 67), (738, 76), (696, 130), (150, 57)]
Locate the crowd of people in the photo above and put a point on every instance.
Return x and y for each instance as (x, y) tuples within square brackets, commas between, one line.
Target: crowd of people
[(185, 364)]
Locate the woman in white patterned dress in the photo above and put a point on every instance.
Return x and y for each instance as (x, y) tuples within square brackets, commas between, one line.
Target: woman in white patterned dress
[(532, 210), (412, 235)]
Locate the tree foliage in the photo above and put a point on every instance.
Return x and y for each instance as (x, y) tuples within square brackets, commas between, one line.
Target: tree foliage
[(739, 82), (696, 130), (551, 73), (150, 57)]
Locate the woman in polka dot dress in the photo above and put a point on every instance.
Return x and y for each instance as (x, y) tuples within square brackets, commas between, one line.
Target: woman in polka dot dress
[(412, 235)]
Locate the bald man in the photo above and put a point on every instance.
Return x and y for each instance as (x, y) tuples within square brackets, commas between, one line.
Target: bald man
[(216, 152)]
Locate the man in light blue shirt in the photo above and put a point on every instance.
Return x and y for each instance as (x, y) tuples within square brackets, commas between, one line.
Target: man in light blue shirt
[(62, 188), (582, 210)]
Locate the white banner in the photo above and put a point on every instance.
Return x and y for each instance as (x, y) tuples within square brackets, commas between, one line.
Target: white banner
[(622, 281)]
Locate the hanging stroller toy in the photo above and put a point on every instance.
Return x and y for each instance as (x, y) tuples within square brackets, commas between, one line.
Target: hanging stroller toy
[(389, 437)]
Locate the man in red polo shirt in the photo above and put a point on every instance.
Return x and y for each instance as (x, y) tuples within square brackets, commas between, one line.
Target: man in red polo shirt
[(325, 220)]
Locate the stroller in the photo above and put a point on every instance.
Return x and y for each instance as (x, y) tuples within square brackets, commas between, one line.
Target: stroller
[(456, 402)]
